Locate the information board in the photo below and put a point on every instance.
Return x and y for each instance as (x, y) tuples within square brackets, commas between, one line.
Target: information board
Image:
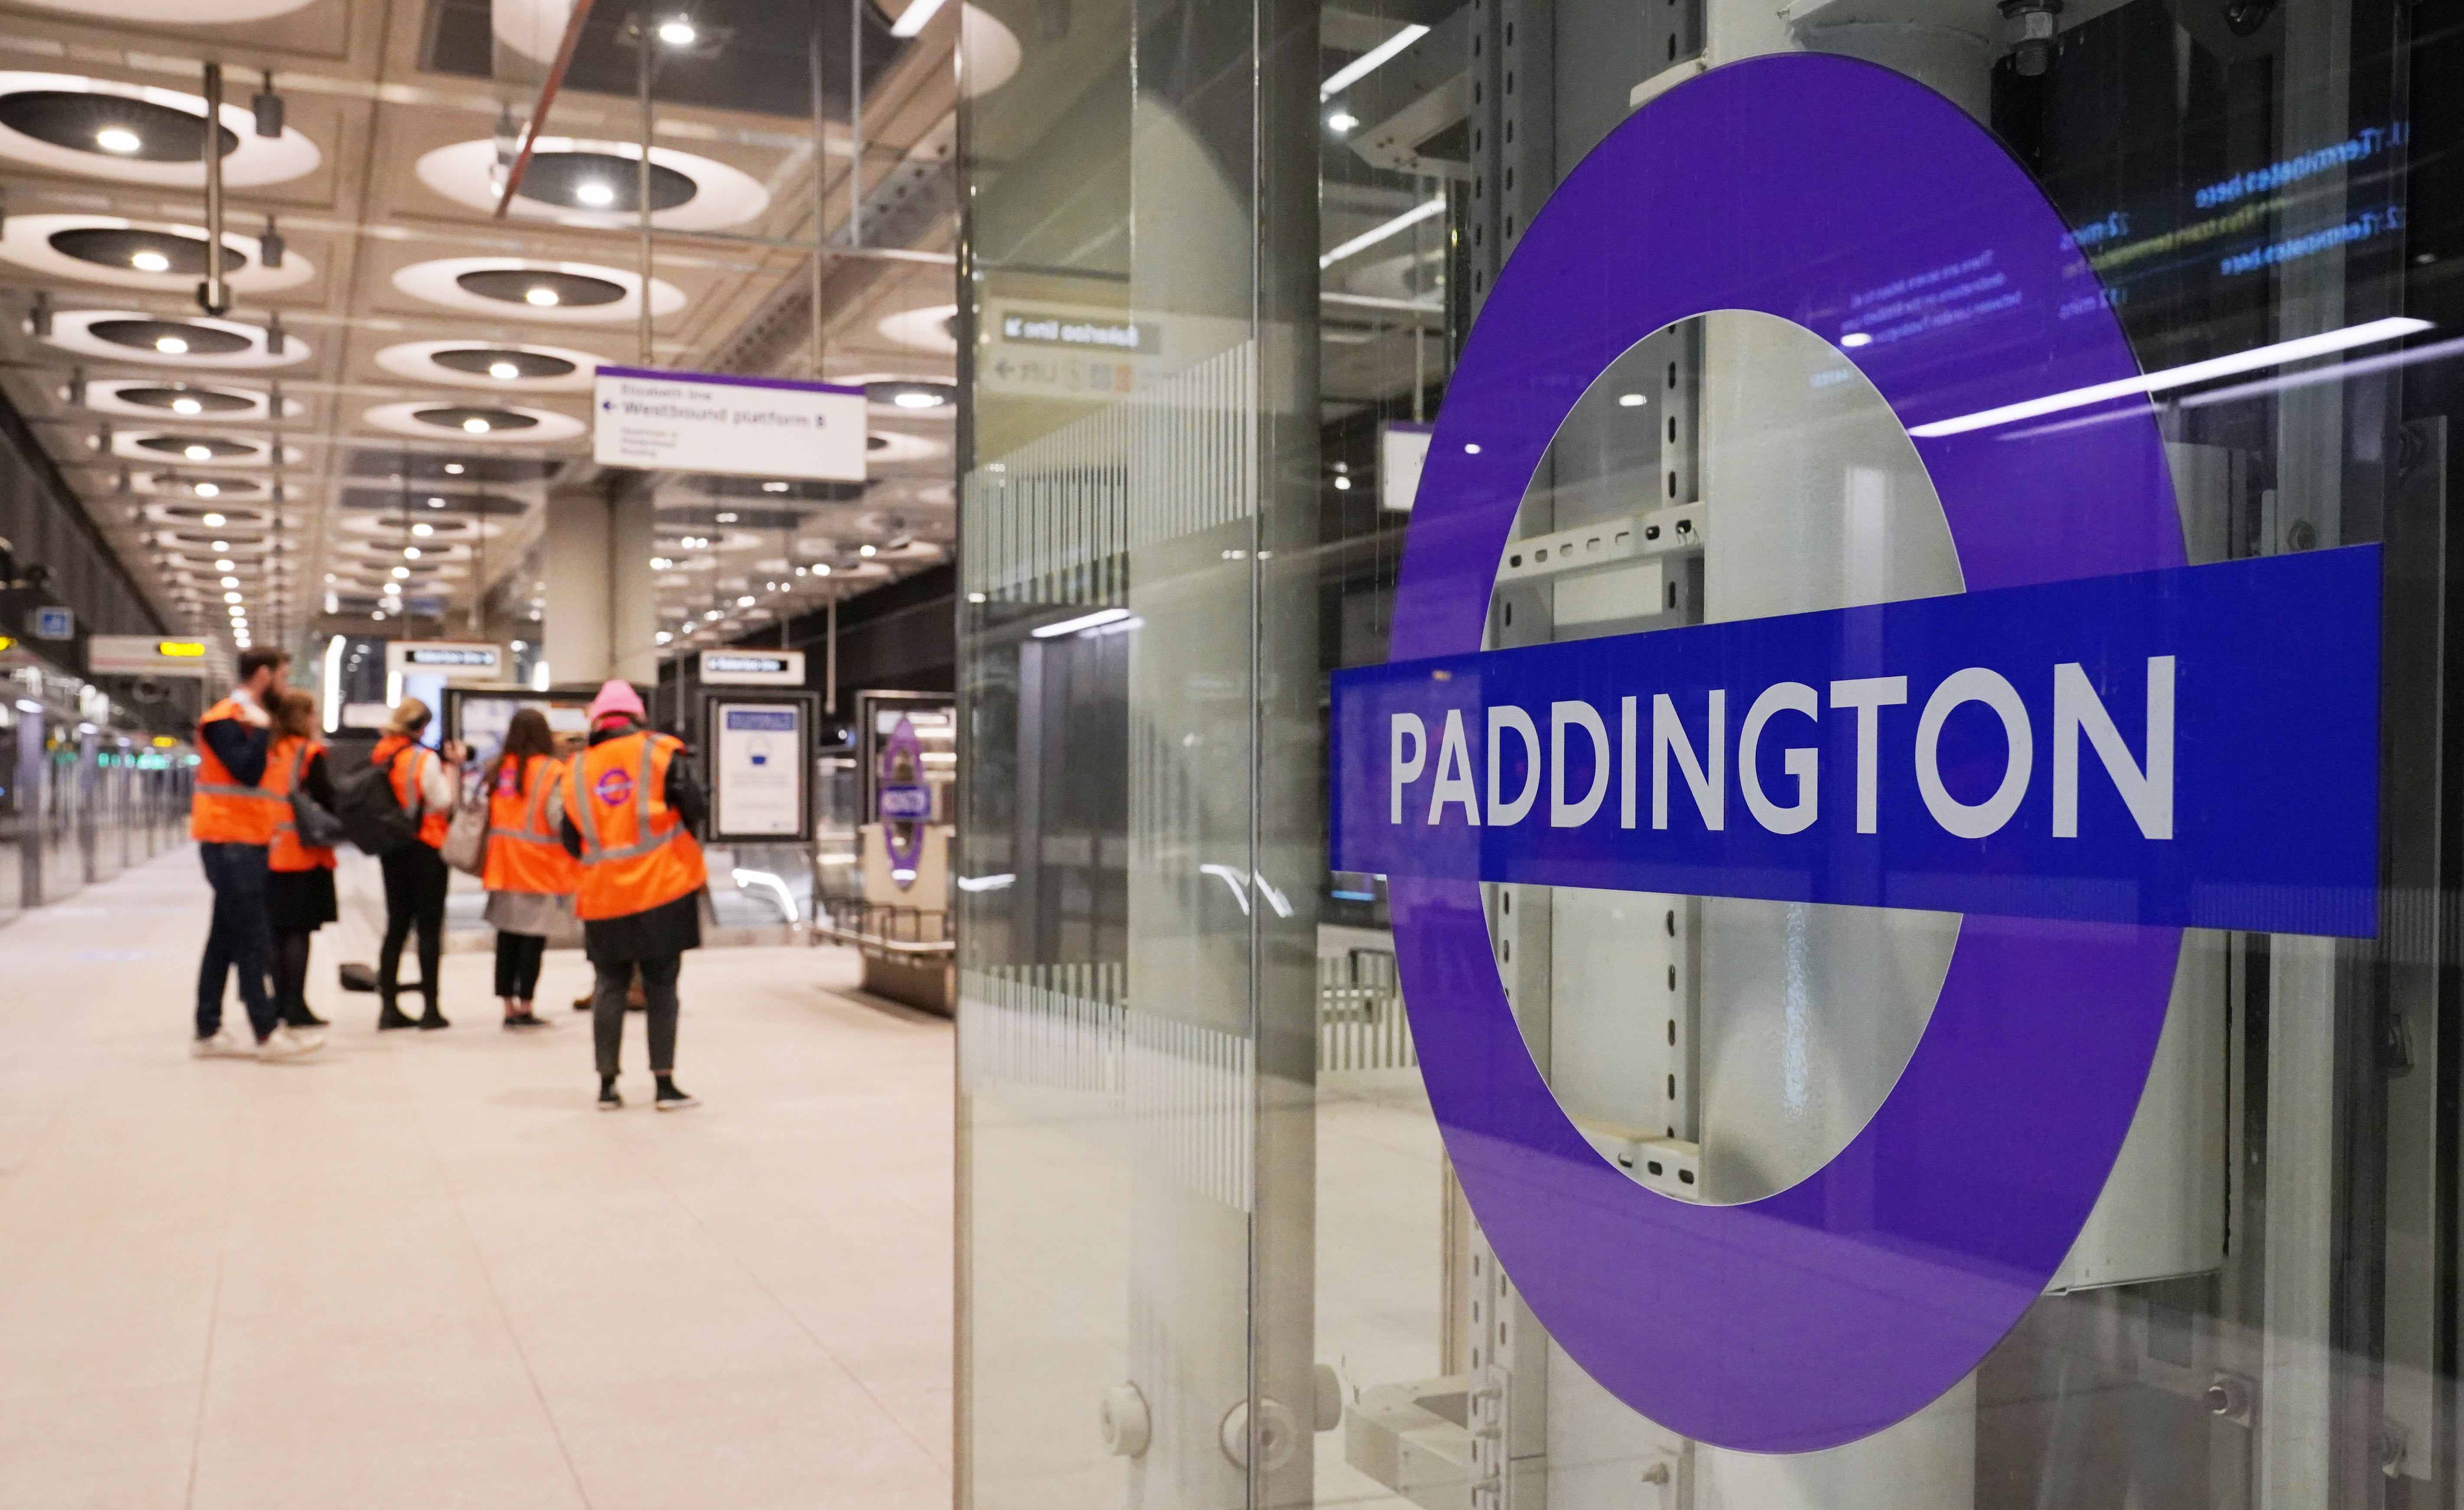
[(760, 761)]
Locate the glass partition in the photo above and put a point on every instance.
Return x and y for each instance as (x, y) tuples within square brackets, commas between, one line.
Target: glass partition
[(1304, 341)]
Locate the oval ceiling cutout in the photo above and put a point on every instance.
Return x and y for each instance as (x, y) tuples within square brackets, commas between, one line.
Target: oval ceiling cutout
[(128, 335), (491, 424), (101, 128), (500, 367), (579, 181), (565, 293), (160, 255)]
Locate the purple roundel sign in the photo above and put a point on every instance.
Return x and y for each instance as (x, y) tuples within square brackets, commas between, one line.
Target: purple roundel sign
[(2176, 745)]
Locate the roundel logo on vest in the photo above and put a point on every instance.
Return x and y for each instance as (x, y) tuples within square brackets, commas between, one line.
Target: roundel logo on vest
[(615, 787), (2095, 746)]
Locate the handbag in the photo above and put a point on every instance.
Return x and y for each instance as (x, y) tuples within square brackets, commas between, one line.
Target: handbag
[(315, 823), (466, 841)]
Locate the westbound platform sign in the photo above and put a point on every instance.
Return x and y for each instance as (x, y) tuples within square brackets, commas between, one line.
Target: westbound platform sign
[(754, 427)]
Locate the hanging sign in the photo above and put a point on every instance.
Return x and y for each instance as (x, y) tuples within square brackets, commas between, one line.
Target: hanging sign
[(2094, 746), (733, 426), (454, 661), (752, 668), (144, 656)]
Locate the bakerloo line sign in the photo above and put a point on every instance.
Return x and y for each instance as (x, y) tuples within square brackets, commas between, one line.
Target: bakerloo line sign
[(2092, 748)]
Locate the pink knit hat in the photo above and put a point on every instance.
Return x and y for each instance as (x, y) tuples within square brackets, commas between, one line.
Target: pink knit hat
[(617, 695)]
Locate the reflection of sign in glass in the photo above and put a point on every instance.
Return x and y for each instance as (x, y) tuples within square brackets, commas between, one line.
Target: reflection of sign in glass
[(904, 800), (2009, 734), (760, 789)]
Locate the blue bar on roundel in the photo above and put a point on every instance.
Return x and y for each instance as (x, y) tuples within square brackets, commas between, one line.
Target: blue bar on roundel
[(2196, 746)]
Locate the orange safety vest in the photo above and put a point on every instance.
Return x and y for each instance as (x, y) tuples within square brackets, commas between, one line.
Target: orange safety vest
[(286, 765), (525, 849), (405, 774), (222, 810), (635, 852)]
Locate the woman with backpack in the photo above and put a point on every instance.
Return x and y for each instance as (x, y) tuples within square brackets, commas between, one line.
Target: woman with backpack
[(530, 878), (300, 884), (424, 787)]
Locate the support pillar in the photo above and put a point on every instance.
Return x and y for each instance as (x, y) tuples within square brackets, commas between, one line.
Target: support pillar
[(602, 613)]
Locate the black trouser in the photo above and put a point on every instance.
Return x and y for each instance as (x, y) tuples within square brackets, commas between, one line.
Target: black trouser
[(291, 976), (238, 938), (615, 978), (414, 891), (517, 964)]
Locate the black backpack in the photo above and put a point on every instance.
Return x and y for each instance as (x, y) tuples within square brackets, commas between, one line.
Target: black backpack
[(372, 816), (311, 823)]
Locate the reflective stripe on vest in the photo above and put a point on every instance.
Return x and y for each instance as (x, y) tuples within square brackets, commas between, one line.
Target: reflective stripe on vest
[(592, 852), (654, 863), (288, 853), (222, 810), (547, 787), (528, 854)]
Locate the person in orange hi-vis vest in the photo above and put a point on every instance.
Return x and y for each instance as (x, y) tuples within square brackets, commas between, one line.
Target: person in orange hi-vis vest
[(299, 891), (631, 802), (426, 782), (530, 878), (233, 817)]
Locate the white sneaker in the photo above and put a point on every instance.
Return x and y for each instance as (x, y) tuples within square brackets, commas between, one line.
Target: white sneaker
[(226, 1044), (284, 1044)]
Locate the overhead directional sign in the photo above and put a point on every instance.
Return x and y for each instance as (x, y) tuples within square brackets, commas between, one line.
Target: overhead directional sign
[(738, 426), (145, 655), (752, 668), (455, 660)]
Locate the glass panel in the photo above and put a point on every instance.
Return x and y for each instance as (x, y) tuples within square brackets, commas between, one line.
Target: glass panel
[(1223, 263)]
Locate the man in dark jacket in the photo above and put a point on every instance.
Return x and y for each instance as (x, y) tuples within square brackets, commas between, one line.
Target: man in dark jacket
[(232, 819)]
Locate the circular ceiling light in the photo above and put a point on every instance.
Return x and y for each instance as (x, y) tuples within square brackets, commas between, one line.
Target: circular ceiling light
[(120, 335), (911, 395), (563, 293), (163, 256), (175, 491), (585, 181), (201, 451), (926, 329), (175, 12), (470, 364), (489, 423), (101, 128), (149, 399)]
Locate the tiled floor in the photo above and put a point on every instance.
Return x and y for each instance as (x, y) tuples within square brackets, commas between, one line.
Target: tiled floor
[(420, 1269)]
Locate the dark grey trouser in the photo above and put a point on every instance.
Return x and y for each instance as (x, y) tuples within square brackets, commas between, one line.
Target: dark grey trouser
[(614, 978), (239, 937)]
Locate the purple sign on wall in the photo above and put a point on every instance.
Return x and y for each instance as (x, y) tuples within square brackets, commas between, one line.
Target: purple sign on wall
[(1798, 185)]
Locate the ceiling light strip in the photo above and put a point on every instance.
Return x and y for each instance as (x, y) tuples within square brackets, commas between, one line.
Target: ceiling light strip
[(2325, 343), (1359, 68), (1391, 228)]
